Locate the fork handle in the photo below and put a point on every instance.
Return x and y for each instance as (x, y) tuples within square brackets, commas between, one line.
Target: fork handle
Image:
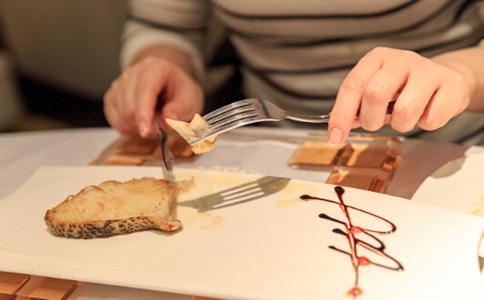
[(308, 119), (325, 118)]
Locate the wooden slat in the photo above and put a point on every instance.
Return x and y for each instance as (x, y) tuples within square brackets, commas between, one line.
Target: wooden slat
[(10, 283), (7, 296), (47, 288)]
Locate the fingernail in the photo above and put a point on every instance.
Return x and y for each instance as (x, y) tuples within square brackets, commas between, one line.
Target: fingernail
[(335, 137), (144, 130), (169, 113), (173, 115)]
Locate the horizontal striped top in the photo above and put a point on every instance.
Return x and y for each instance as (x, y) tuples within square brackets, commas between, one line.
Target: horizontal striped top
[(296, 53)]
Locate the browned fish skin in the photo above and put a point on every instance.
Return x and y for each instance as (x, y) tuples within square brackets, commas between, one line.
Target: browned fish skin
[(158, 211), (110, 227)]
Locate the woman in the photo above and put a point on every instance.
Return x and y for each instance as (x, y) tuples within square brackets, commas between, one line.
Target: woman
[(303, 54)]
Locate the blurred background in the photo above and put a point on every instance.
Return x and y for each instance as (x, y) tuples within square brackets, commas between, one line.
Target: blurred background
[(57, 58)]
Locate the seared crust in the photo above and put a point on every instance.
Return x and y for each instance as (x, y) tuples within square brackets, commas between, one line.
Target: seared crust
[(109, 227), (159, 216)]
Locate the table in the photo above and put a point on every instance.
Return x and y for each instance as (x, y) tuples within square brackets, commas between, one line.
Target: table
[(243, 150)]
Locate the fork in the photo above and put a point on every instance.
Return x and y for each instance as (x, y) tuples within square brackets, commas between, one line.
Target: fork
[(249, 111), (250, 191), (167, 166)]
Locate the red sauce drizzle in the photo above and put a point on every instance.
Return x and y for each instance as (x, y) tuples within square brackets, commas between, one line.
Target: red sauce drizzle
[(355, 292), (377, 246)]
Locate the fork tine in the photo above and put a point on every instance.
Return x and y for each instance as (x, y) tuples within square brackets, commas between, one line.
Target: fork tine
[(230, 113), (251, 187), (244, 192), (227, 127), (233, 118), (227, 107), (238, 187)]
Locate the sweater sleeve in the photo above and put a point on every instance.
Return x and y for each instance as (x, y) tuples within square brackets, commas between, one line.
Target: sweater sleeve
[(480, 7), (178, 23)]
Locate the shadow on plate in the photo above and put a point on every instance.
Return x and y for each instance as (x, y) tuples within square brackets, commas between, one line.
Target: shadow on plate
[(449, 168), (240, 194)]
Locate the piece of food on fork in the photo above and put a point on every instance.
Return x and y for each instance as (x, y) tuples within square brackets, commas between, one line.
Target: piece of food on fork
[(114, 207), (201, 131), (192, 131)]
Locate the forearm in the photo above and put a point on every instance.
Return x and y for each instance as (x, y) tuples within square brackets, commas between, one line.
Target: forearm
[(170, 53), (470, 63)]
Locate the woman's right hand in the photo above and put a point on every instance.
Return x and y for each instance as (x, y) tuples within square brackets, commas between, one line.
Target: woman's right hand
[(130, 103)]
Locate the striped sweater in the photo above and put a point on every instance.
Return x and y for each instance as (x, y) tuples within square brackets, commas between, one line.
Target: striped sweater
[(296, 53)]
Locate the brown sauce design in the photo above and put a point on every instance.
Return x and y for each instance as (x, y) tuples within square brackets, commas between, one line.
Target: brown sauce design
[(351, 232)]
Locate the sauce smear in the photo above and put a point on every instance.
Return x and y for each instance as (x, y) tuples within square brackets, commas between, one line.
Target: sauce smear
[(376, 246)]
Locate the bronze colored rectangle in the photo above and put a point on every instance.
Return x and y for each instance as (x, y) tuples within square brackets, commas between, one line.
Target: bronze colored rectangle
[(10, 283), (135, 151), (314, 153), (124, 160), (47, 288), (372, 156), (7, 296), (136, 146), (370, 180), (355, 155), (53, 289)]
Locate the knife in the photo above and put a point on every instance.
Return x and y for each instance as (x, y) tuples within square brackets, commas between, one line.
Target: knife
[(167, 166)]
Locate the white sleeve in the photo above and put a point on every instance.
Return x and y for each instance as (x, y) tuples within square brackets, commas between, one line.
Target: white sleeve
[(179, 23)]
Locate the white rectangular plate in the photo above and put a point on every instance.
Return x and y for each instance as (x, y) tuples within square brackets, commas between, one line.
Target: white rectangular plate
[(273, 247)]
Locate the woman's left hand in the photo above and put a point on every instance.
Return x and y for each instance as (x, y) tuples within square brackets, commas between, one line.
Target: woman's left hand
[(427, 93)]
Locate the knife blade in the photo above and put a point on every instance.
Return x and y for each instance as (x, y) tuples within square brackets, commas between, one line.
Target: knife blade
[(167, 166)]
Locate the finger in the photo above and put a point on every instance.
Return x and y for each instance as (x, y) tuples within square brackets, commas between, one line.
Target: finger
[(127, 101), (184, 97), (356, 124), (179, 146), (379, 91), (440, 109), (451, 98), (112, 117), (349, 97), (111, 112), (109, 109), (413, 99), (124, 125), (149, 85)]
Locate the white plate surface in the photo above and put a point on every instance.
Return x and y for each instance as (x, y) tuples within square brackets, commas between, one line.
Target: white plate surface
[(457, 185), (275, 247)]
